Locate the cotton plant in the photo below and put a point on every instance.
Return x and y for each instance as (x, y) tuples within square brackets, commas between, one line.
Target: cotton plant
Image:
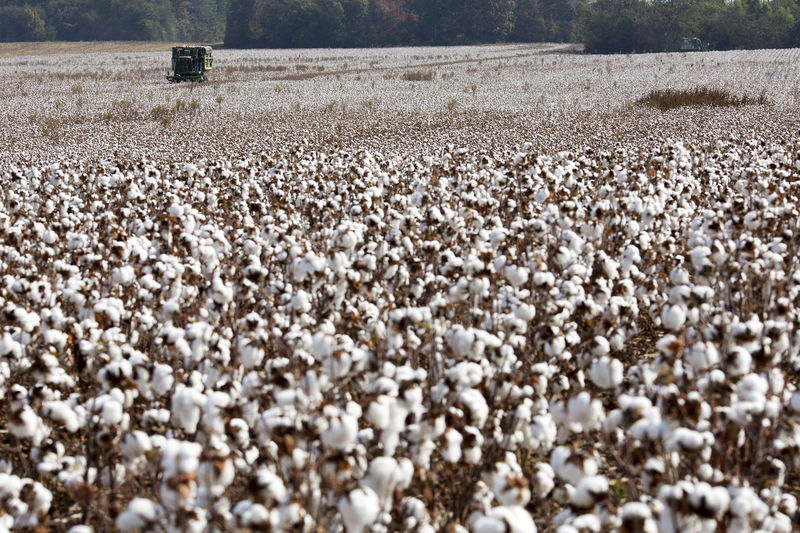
[(586, 340)]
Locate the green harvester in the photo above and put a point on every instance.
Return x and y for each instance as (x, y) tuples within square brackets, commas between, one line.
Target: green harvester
[(190, 63)]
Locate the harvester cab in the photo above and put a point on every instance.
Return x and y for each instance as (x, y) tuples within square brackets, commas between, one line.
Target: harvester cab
[(190, 63), (693, 44)]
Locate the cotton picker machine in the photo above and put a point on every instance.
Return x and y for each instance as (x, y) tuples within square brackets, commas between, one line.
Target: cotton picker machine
[(190, 63)]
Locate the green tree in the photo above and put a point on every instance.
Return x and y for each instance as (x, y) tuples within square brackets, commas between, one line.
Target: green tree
[(238, 30), (296, 23), (18, 23), (74, 20), (529, 22)]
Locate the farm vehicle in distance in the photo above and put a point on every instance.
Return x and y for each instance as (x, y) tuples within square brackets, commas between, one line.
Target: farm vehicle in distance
[(190, 63), (693, 44)]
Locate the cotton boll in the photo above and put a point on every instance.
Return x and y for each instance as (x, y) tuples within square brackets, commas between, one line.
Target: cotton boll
[(301, 302), (111, 412), (738, 361), (179, 456), (222, 293), (185, 407), (214, 476), (452, 446), (589, 492), (123, 275), (606, 373), (288, 517), (543, 432), (386, 475), (544, 279), (341, 432), (673, 317), (461, 340), (505, 519), (379, 411), (135, 444), (585, 523), (25, 424), (570, 467), (359, 508), (269, 486), (517, 276), (709, 501), (752, 388), (637, 516), (541, 195), (251, 355), (584, 413), (687, 440), (161, 380), (525, 312), (140, 515), (55, 338), (253, 516), (600, 346), (511, 490), (474, 401), (473, 445), (543, 480), (323, 345), (10, 347), (702, 356), (61, 413)]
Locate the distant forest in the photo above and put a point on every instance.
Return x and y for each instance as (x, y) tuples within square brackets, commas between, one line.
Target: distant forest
[(113, 20), (604, 26)]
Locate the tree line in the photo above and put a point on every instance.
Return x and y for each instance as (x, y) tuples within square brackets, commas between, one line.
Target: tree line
[(604, 26), (324, 23), (119, 20), (610, 26)]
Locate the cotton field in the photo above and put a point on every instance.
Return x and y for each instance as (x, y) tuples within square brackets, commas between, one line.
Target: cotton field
[(394, 101), (212, 321)]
